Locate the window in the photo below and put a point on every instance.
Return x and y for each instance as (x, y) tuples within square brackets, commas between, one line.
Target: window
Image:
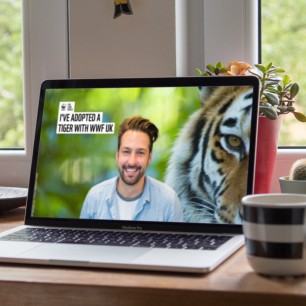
[(11, 85), (44, 36), (208, 31), (283, 33)]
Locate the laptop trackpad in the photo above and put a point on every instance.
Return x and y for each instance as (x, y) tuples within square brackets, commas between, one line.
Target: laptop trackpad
[(84, 253)]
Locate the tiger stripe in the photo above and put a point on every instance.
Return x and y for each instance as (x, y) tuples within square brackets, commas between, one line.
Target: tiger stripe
[(206, 168)]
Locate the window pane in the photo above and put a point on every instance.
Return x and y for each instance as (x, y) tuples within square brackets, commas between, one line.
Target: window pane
[(11, 75), (283, 44)]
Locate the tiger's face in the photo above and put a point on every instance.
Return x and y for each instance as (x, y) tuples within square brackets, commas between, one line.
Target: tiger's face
[(212, 177)]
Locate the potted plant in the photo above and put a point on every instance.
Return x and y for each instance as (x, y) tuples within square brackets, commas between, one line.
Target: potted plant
[(276, 98), (295, 182), (277, 93)]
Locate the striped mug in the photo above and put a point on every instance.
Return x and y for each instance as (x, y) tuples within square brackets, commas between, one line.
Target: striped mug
[(274, 226)]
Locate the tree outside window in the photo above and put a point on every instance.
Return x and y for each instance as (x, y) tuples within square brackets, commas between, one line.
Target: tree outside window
[(11, 75), (283, 44)]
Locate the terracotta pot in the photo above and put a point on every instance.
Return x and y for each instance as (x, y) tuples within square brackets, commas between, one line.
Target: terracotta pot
[(267, 142)]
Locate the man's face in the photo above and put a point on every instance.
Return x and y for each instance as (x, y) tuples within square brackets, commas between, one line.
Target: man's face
[(133, 156)]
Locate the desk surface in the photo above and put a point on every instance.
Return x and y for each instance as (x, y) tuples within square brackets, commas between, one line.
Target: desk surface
[(233, 283)]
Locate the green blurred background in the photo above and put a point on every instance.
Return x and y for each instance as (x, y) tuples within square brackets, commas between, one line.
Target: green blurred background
[(70, 164)]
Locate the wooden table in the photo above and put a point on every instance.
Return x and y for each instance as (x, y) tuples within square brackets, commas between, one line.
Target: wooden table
[(233, 283)]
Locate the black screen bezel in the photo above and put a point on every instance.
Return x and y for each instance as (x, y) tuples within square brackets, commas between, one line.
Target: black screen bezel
[(130, 83)]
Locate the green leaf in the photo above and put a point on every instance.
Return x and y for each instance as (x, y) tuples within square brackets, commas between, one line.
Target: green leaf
[(286, 79), (261, 68), (265, 104), (199, 72), (299, 116), (272, 82), (269, 66), (279, 70), (294, 90), (279, 88), (211, 68), (269, 112), (273, 69), (272, 98), (290, 108), (274, 78), (219, 65), (281, 107), (254, 72), (272, 89)]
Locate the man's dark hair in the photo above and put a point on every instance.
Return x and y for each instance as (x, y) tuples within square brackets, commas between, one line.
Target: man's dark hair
[(138, 123)]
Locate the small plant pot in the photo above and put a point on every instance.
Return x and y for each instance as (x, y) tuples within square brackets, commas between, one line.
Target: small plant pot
[(292, 186)]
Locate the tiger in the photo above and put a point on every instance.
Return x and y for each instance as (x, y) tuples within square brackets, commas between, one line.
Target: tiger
[(208, 162)]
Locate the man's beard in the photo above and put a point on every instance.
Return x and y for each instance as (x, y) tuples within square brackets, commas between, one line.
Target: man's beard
[(136, 174)]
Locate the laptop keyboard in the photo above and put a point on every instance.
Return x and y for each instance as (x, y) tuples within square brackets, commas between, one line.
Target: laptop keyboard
[(130, 239)]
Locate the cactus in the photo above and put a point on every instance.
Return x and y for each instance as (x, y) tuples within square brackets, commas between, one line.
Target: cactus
[(298, 170)]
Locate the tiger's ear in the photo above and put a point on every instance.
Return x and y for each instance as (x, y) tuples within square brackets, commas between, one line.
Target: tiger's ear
[(206, 92)]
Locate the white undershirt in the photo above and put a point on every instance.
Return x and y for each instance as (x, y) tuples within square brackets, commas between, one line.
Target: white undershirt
[(126, 208)]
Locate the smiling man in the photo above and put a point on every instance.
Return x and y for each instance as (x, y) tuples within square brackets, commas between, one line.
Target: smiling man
[(133, 195)]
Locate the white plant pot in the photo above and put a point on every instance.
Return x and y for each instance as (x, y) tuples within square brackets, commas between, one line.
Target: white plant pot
[(292, 186)]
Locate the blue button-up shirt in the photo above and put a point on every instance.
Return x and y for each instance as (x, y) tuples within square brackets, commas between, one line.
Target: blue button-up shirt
[(158, 202)]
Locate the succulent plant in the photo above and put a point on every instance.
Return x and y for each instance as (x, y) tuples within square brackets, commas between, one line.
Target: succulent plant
[(298, 170), (277, 91)]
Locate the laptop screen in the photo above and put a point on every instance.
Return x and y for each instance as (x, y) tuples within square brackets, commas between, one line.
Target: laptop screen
[(152, 151)]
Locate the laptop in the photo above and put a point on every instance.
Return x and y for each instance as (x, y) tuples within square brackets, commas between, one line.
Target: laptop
[(187, 217)]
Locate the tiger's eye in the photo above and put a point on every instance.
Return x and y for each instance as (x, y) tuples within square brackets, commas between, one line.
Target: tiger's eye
[(234, 141)]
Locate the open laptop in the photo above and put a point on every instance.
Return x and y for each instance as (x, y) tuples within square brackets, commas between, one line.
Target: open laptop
[(204, 158)]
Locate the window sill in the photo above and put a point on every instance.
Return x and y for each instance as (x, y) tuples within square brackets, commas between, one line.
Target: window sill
[(285, 158), (13, 154)]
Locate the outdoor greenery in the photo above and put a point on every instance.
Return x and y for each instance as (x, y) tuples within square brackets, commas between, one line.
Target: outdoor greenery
[(283, 37), (11, 91)]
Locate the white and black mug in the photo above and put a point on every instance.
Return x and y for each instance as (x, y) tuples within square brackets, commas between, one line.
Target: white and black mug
[(274, 226)]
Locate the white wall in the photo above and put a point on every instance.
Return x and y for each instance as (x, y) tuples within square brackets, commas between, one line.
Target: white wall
[(161, 38), (138, 45)]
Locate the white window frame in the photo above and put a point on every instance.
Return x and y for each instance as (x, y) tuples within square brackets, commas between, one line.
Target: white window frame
[(198, 23), (45, 56)]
